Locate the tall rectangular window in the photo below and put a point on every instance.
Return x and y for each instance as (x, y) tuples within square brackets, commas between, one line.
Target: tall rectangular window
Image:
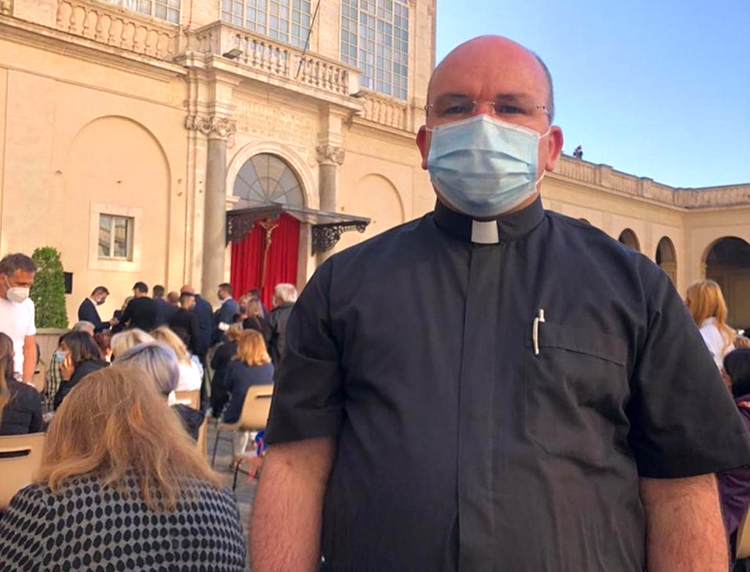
[(168, 10), (116, 237), (375, 38), (284, 20)]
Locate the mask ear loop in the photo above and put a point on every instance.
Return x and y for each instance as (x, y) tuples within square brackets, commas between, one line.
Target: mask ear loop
[(544, 171)]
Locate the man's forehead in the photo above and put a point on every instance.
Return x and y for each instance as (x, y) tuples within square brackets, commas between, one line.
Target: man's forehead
[(489, 66)]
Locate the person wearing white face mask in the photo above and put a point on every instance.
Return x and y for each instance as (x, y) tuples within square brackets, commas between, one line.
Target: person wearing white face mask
[(535, 397), (17, 273)]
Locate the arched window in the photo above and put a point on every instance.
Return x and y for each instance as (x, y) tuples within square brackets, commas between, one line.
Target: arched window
[(628, 238), (267, 179), (727, 261), (666, 258)]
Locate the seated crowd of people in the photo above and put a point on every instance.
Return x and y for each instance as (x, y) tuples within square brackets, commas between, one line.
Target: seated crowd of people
[(120, 455)]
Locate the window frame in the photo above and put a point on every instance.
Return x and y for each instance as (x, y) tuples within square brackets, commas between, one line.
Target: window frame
[(116, 264), (291, 13), (129, 229), (375, 39), (155, 6)]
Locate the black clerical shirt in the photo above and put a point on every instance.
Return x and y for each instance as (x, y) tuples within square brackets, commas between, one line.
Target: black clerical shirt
[(470, 438)]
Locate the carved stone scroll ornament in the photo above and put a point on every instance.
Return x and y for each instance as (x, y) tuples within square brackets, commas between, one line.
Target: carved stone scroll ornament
[(330, 154), (214, 126), (325, 236)]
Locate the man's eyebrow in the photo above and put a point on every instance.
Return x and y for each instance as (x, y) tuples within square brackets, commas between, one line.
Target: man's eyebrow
[(500, 96)]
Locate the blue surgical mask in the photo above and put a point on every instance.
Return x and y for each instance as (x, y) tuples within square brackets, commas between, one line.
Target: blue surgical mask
[(59, 356), (483, 167)]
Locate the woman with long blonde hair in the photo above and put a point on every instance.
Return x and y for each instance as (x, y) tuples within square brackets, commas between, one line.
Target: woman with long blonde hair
[(20, 403), (191, 372), (706, 304), (122, 486), (251, 365)]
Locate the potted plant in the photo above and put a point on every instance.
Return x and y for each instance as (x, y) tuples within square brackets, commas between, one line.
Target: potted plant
[(48, 290)]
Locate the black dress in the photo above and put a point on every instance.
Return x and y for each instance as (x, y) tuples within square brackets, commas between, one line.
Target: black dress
[(219, 395), (90, 527), (82, 370), (23, 412)]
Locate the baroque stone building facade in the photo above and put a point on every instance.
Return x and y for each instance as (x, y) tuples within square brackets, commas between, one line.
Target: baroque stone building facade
[(130, 129)]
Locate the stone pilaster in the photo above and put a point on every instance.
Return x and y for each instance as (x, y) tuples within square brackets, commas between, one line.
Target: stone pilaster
[(219, 131)]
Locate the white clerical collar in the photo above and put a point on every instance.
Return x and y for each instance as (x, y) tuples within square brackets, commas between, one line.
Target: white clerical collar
[(484, 232)]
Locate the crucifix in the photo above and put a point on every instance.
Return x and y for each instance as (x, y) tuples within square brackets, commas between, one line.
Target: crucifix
[(268, 225)]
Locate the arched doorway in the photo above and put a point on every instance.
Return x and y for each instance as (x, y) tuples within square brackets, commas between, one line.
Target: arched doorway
[(666, 258), (269, 252), (727, 261), (629, 239)]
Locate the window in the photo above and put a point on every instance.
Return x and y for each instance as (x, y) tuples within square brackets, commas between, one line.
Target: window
[(285, 20), (267, 179), (375, 38), (116, 237), (168, 10)]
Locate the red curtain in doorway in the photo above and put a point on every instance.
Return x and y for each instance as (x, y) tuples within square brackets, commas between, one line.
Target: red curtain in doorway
[(282, 258)]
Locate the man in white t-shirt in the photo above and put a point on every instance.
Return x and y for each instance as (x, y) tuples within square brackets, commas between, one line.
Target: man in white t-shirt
[(17, 312)]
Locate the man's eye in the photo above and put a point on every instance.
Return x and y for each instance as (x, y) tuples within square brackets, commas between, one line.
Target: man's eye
[(507, 109), (456, 110)]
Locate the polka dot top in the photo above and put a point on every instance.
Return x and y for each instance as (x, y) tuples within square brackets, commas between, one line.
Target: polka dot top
[(86, 527)]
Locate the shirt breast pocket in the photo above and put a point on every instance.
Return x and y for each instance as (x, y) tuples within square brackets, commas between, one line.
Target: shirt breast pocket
[(575, 390)]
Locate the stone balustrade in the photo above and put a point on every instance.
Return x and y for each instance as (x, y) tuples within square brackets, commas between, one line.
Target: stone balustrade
[(623, 183), (385, 111), (6, 7), (118, 28), (276, 58)]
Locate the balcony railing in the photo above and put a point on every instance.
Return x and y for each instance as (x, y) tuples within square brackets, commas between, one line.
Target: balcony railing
[(277, 58), (116, 27), (623, 183), (385, 111)]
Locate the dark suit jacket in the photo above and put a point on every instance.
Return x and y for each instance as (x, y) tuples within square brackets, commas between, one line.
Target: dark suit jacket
[(205, 315), (185, 324), (142, 314), (225, 314), (164, 311), (277, 331), (87, 312), (23, 412)]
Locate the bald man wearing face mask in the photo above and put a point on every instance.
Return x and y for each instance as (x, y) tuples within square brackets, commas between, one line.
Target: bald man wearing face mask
[(561, 414)]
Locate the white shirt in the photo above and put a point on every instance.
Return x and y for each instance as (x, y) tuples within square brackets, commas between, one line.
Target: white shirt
[(190, 377), (17, 321), (718, 344)]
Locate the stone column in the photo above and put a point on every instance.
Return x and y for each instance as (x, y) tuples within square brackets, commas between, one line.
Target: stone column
[(219, 130), (329, 158)]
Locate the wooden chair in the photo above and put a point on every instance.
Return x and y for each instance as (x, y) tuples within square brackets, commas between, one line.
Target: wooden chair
[(39, 379), (20, 457), (189, 398), (254, 416), (743, 537)]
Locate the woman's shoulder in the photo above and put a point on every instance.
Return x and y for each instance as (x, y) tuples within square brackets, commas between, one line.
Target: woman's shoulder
[(20, 390)]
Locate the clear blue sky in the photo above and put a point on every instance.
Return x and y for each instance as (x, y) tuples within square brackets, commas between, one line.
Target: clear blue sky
[(656, 88)]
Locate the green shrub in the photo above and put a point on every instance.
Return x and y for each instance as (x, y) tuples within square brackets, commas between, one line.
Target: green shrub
[(48, 290)]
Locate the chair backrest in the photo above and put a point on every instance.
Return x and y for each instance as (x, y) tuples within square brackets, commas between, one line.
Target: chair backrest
[(17, 470), (256, 407), (189, 398), (743, 537), (40, 374)]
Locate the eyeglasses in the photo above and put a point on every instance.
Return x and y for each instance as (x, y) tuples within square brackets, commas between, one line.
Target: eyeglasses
[(510, 108)]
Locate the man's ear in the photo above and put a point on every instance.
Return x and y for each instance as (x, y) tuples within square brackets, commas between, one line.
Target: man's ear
[(423, 144), (554, 147)]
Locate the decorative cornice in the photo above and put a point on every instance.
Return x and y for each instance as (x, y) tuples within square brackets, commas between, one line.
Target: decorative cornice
[(214, 126), (330, 154), (6, 7), (326, 236)]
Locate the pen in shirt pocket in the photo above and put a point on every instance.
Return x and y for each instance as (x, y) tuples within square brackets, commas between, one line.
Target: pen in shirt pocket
[(535, 330)]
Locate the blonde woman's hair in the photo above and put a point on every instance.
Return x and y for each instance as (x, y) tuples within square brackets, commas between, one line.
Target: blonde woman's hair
[(234, 332), (114, 422), (251, 348), (122, 342), (6, 370), (705, 300), (166, 336), (254, 308)]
